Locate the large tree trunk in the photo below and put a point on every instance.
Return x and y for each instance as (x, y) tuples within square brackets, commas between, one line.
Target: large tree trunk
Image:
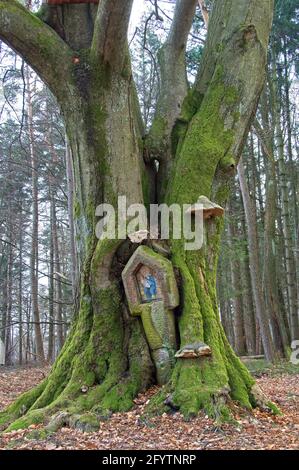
[(106, 353)]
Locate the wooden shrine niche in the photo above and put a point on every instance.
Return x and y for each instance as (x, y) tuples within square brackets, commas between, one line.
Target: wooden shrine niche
[(152, 294)]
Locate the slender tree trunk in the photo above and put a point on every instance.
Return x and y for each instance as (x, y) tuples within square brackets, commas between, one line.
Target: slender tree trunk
[(58, 290), (51, 341), (249, 313), (3, 300), (20, 287), (255, 270), (28, 332), (283, 286), (237, 293), (256, 167), (70, 188), (34, 242), (9, 272), (284, 190), (8, 331), (292, 167), (270, 278), (224, 277)]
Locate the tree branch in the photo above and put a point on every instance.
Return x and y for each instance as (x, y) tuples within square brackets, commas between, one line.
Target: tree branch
[(37, 43), (181, 25), (261, 134), (240, 15), (204, 12), (172, 62), (173, 90), (110, 32)]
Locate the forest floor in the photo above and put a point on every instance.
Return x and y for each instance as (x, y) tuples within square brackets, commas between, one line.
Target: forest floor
[(128, 431)]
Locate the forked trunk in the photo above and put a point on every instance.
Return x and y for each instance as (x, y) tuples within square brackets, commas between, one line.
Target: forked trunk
[(110, 355)]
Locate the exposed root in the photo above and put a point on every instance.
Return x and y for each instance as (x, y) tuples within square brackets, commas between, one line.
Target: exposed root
[(262, 401), (106, 363), (100, 370), (86, 422)]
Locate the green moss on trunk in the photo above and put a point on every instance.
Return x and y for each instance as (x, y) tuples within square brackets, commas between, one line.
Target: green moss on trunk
[(104, 364)]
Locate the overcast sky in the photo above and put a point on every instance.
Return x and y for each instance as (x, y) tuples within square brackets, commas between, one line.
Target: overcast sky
[(138, 9)]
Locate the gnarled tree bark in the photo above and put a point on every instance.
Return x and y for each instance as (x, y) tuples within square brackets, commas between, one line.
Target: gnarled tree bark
[(201, 139)]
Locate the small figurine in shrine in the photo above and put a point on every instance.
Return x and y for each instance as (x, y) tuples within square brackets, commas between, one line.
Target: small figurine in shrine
[(150, 287)]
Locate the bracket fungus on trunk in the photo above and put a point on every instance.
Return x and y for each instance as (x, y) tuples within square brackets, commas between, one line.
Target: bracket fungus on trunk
[(191, 351), (139, 236), (210, 209)]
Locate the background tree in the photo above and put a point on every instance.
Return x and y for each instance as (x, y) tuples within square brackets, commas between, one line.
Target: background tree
[(17, 215)]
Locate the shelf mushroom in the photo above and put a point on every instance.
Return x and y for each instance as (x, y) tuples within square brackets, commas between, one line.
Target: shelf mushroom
[(194, 350), (139, 236), (210, 209)]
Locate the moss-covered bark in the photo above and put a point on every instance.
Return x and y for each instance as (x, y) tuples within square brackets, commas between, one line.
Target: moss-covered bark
[(104, 363), (106, 360)]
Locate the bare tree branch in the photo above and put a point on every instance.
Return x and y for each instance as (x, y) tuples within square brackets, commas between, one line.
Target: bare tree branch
[(158, 17), (204, 12), (174, 86), (25, 322), (181, 25), (172, 62), (110, 32), (261, 134), (37, 43)]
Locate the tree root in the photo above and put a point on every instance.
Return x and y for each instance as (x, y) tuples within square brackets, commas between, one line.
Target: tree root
[(88, 409), (192, 389), (262, 401), (106, 363)]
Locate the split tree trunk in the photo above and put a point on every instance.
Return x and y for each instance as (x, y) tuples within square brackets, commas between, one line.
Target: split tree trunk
[(197, 140)]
